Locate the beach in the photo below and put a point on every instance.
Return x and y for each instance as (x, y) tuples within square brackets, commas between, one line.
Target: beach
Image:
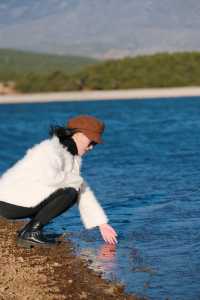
[(101, 95), (53, 273)]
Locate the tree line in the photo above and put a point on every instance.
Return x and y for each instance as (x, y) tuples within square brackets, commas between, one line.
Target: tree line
[(145, 71)]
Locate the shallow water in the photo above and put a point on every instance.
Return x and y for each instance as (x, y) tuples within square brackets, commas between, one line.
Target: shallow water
[(147, 177)]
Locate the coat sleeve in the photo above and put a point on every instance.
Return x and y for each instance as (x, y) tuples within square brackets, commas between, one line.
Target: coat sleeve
[(92, 214)]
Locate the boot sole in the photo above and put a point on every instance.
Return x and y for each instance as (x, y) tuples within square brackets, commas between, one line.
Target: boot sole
[(29, 244)]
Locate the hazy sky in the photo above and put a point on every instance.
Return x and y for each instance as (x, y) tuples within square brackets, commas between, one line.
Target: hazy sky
[(100, 27)]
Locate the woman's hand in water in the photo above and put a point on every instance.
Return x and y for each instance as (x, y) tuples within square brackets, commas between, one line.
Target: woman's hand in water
[(108, 233)]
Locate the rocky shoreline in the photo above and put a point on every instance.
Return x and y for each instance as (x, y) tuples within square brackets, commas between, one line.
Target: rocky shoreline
[(49, 273)]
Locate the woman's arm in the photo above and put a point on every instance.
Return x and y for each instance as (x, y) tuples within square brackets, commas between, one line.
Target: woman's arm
[(92, 214)]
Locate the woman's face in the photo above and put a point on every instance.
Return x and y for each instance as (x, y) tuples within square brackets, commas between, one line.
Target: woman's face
[(83, 143)]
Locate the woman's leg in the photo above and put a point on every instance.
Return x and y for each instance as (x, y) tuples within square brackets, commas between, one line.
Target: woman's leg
[(55, 204), (11, 211), (50, 208)]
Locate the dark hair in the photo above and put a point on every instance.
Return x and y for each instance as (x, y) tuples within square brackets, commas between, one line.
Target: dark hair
[(61, 132)]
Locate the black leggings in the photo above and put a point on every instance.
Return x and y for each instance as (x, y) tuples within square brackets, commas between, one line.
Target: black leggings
[(54, 205)]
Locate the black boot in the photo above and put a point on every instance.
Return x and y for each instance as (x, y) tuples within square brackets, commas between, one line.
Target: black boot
[(31, 234)]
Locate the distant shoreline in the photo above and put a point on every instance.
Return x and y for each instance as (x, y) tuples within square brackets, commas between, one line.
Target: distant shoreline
[(133, 94)]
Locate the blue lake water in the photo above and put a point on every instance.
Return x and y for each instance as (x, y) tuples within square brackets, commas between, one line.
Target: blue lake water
[(147, 177)]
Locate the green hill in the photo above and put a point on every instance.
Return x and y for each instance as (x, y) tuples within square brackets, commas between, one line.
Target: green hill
[(14, 63), (147, 71), (42, 73)]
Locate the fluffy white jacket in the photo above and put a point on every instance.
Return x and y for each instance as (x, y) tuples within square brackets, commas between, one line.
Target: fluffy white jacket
[(46, 167)]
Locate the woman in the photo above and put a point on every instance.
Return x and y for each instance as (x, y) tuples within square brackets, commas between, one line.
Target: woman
[(47, 181)]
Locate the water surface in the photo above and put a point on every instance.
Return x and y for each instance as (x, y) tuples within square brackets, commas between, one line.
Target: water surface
[(147, 177)]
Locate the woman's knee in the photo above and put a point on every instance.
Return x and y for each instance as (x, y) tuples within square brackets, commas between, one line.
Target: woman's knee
[(71, 194)]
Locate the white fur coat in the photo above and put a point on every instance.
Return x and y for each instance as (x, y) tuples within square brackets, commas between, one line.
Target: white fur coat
[(46, 167)]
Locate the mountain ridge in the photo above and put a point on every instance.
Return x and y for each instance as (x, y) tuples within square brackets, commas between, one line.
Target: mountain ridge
[(102, 29)]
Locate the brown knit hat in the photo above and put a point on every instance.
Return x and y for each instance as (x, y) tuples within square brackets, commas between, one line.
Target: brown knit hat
[(90, 126)]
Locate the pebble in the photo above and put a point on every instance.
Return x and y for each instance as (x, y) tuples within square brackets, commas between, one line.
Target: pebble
[(20, 259), (83, 295), (110, 290), (57, 264)]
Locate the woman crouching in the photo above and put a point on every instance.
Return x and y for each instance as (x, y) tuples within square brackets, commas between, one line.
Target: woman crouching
[(47, 181)]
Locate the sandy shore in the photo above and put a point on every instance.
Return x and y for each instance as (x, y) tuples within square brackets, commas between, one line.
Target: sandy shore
[(102, 95), (49, 273)]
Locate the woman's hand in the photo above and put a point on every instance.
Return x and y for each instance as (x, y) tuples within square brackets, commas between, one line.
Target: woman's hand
[(108, 233)]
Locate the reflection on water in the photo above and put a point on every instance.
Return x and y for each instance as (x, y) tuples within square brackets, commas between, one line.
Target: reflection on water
[(102, 259)]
